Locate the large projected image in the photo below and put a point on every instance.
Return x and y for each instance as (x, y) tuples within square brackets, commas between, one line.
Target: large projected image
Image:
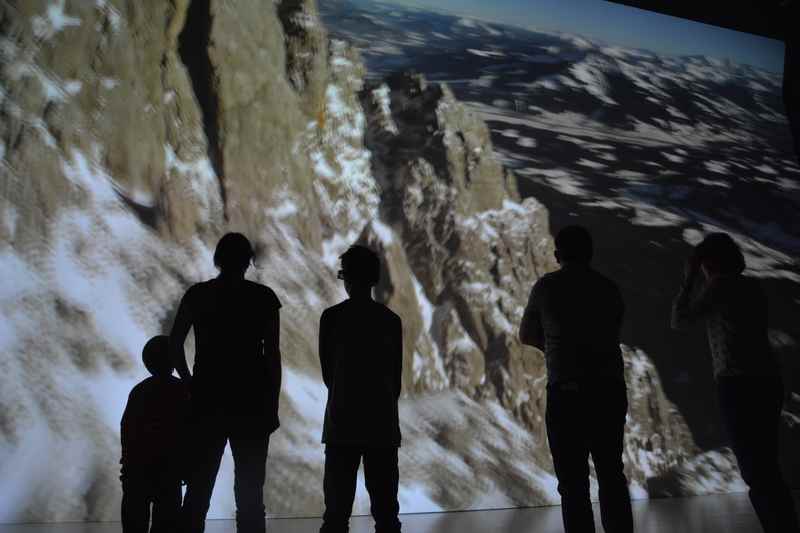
[(649, 129), (133, 134)]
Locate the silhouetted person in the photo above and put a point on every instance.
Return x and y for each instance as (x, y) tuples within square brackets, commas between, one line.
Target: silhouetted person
[(361, 354), (152, 429), (574, 315), (749, 385), (236, 383)]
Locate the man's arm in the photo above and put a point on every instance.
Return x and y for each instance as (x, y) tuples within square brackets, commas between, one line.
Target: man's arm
[(398, 358), (530, 329), (619, 309), (325, 355), (177, 337), (128, 425), (272, 351)]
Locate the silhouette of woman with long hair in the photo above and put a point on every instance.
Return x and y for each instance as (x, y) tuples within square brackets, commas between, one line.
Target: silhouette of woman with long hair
[(749, 385), (235, 385)]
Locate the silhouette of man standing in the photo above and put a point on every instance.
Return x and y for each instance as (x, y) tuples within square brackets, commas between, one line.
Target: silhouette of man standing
[(574, 315), (236, 383), (361, 354)]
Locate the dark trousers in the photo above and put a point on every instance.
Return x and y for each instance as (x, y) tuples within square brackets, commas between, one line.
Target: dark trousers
[(143, 488), (249, 448), (381, 476), (585, 419), (751, 410)]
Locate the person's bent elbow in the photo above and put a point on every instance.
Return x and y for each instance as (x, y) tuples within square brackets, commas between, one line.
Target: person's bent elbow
[(525, 337), (528, 338)]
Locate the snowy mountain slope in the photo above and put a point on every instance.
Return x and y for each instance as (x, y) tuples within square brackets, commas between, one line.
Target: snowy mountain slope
[(129, 145)]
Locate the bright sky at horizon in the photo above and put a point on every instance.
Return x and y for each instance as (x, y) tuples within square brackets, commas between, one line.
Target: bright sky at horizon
[(617, 24)]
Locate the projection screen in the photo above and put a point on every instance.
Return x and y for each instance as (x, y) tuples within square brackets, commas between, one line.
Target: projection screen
[(455, 140)]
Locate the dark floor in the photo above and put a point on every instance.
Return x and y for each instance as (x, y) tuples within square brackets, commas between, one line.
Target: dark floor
[(725, 513)]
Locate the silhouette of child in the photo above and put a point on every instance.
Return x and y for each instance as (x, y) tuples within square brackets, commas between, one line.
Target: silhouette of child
[(151, 431)]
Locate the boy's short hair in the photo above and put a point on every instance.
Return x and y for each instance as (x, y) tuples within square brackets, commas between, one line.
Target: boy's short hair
[(233, 252), (574, 243), (360, 265), (155, 356), (721, 253)]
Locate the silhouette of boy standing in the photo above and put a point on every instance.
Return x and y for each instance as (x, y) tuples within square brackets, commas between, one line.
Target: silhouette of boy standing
[(151, 431), (361, 354), (574, 315), (236, 383)]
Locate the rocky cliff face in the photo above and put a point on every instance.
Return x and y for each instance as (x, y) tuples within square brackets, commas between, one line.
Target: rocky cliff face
[(134, 133)]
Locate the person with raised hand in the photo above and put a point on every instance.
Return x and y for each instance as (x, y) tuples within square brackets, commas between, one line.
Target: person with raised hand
[(746, 370)]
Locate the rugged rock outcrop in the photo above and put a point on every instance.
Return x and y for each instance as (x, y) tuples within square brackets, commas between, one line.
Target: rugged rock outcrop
[(134, 133), (473, 248)]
